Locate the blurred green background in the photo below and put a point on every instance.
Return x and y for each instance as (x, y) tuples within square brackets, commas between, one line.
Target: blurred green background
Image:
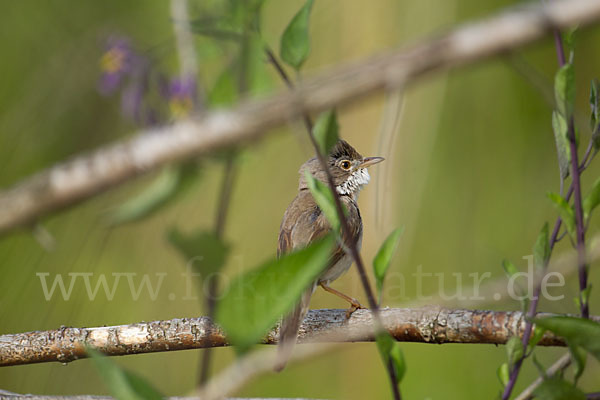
[(466, 174)]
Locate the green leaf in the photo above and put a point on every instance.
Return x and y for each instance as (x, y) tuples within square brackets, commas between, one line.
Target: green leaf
[(585, 293), (564, 90), (541, 248), (382, 259), (558, 389), (325, 200), (579, 357), (514, 349), (569, 37), (257, 299), (258, 75), (204, 250), (592, 200), (123, 385), (295, 41), (390, 351), (509, 268), (503, 374), (577, 331), (538, 334), (224, 92), (559, 126), (565, 210), (172, 182), (326, 131)]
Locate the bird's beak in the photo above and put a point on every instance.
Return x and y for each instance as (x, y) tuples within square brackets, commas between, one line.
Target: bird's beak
[(368, 161)]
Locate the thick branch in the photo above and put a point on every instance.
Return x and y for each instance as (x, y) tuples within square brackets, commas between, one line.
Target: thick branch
[(70, 182), (425, 325)]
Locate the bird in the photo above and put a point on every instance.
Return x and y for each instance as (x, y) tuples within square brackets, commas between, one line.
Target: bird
[(303, 222)]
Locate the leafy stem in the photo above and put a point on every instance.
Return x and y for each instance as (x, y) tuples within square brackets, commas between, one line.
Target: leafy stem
[(576, 185), (575, 188)]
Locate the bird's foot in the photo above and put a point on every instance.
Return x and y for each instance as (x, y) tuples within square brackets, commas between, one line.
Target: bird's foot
[(354, 305)]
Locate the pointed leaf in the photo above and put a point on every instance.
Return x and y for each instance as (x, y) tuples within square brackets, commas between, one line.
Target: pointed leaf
[(565, 210), (569, 37), (204, 250), (326, 131), (564, 90), (514, 349), (256, 299), (577, 331), (390, 351), (559, 126), (168, 186), (382, 259), (541, 249), (224, 92), (558, 389), (503, 374), (509, 268), (324, 198), (538, 334), (295, 41), (258, 76), (123, 385), (592, 200)]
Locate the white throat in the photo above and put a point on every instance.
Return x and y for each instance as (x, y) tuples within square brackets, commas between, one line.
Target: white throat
[(354, 183)]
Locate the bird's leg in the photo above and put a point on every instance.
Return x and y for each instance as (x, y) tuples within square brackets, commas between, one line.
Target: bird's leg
[(354, 304)]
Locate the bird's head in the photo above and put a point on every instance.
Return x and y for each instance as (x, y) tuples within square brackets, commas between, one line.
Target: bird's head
[(347, 167)]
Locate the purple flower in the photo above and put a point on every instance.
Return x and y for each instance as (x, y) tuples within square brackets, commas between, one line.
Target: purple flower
[(116, 63), (182, 96)]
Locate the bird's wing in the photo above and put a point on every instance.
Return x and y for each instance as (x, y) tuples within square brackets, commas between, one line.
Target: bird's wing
[(302, 224), (305, 224)]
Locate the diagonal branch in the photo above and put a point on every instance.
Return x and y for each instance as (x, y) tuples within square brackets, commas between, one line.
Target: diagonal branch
[(425, 325), (85, 176)]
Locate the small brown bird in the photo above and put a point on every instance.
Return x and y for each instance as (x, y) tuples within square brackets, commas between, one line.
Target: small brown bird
[(303, 222)]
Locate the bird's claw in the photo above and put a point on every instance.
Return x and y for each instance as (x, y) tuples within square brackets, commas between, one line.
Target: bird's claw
[(354, 305)]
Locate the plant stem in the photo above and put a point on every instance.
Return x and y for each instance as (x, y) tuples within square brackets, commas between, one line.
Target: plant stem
[(213, 282), (224, 200), (352, 247), (576, 170)]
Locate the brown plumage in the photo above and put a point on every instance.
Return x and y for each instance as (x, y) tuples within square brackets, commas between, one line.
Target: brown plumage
[(303, 222)]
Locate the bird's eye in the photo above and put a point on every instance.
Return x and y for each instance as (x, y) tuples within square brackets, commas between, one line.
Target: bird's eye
[(345, 165)]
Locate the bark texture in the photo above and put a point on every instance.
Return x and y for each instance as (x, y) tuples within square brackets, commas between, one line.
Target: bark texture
[(424, 325)]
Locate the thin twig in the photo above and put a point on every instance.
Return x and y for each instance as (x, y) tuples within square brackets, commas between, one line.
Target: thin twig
[(213, 282), (251, 365), (352, 245), (560, 365), (224, 200)]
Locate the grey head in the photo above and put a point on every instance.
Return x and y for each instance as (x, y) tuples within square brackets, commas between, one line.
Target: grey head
[(347, 166)]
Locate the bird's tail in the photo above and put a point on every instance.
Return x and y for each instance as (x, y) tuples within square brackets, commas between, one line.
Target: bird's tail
[(288, 332)]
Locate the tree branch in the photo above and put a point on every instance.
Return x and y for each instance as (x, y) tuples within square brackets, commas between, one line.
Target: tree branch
[(73, 181), (424, 325)]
